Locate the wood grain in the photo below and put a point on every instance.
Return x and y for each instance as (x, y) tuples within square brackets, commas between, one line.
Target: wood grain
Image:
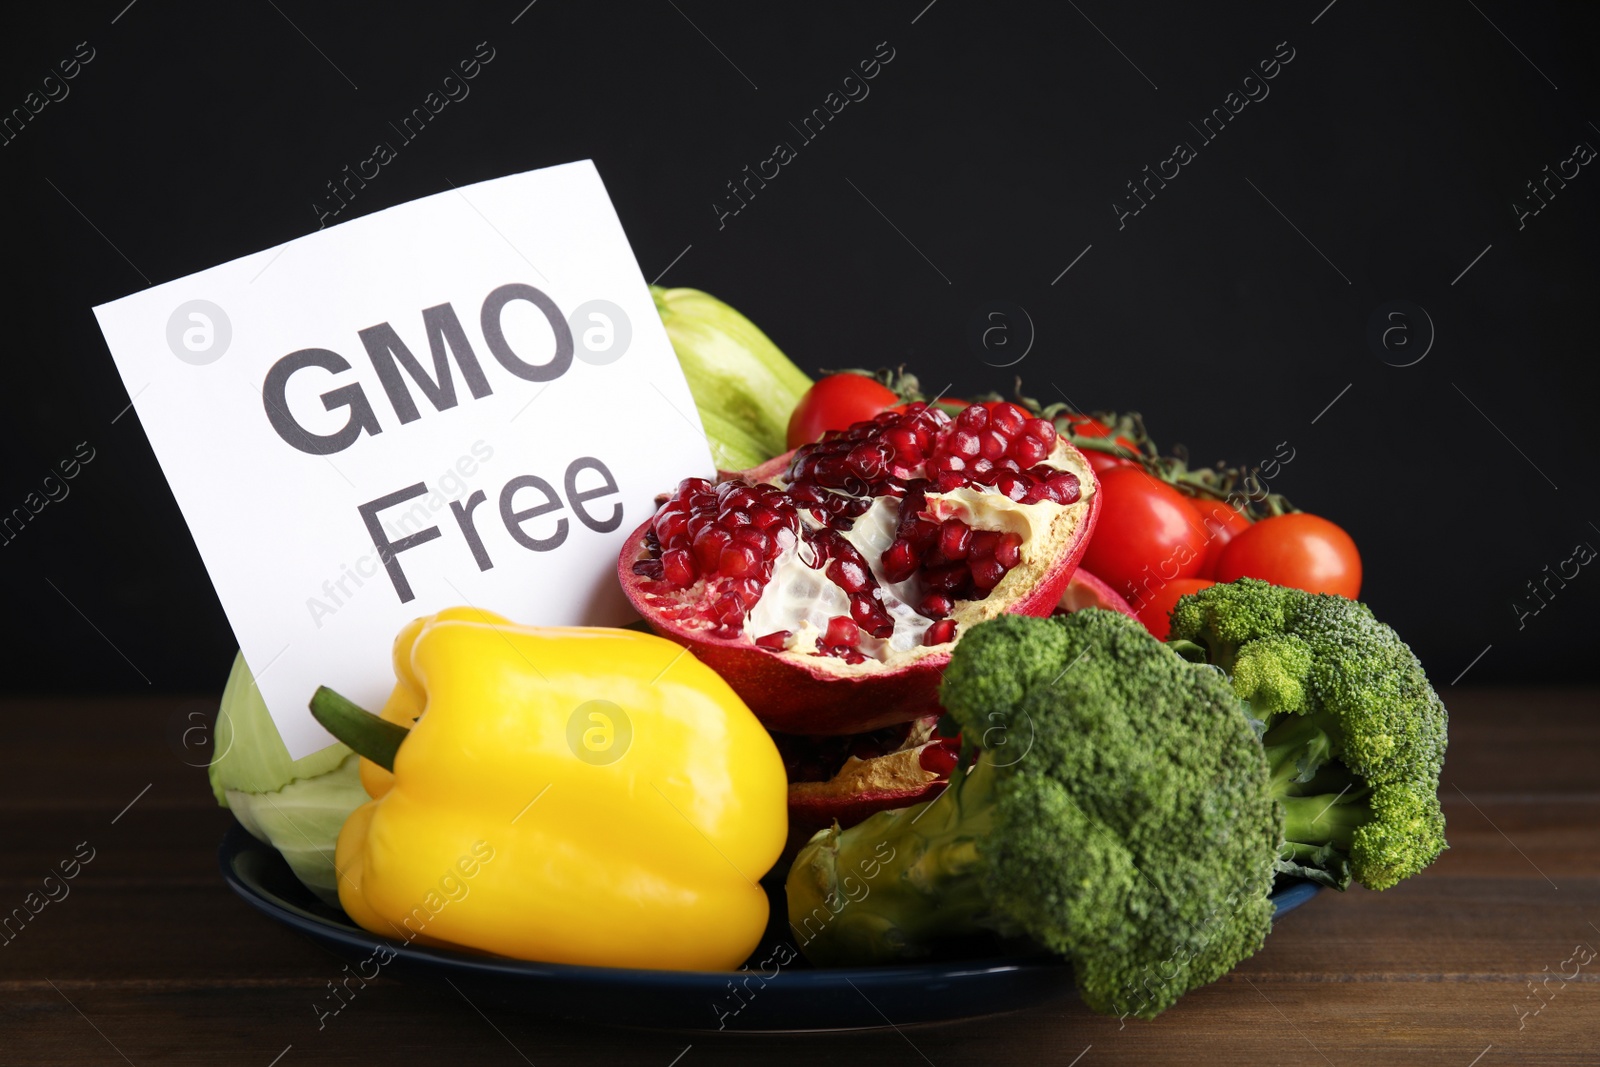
[(151, 960)]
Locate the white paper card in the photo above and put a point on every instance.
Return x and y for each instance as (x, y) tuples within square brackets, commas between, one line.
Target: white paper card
[(489, 359)]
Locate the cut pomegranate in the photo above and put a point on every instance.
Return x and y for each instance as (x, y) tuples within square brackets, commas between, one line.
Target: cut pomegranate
[(1084, 590), (828, 586), (846, 779)]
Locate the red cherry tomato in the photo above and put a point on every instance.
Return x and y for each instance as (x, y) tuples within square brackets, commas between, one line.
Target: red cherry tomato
[(835, 403), (1156, 610), (1148, 534), (1299, 550), (1223, 523), (1088, 426)]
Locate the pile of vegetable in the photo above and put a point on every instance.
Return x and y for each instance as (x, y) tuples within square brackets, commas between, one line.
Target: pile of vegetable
[(1053, 686)]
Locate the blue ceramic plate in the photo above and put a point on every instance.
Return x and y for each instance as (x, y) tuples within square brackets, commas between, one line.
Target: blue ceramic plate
[(779, 992)]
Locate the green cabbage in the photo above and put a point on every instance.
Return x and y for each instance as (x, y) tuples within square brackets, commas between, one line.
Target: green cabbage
[(296, 806), (744, 387)]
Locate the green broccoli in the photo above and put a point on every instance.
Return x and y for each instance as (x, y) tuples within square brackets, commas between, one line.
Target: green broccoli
[(1353, 732), (1118, 812)]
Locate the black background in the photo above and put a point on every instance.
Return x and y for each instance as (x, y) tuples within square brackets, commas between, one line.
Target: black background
[(996, 141)]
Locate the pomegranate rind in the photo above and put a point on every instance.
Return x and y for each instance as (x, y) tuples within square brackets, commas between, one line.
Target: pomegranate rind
[(860, 789), (1084, 590), (892, 774), (793, 692)]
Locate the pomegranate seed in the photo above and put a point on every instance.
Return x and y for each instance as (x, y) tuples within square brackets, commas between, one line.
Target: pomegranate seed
[(965, 443), (947, 580), (955, 538), (949, 481), (899, 562), (904, 442), (738, 560), (1007, 418), (832, 472), (671, 528), (678, 568), (843, 631), (649, 568), (752, 536), (708, 547), (940, 633), (804, 493), (1041, 430), (856, 508), (986, 573), (935, 758), (866, 460), (983, 542), (1029, 451), (1013, 486), (778, 640), (1063, 486), (1008, 550), (901, 558), (981, 471), (730, 609), (994, 444), (973, 417), (936, 606), (870, 616), (848, 575)]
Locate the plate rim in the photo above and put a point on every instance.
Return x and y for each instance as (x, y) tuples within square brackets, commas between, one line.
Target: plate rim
[(237, 841)]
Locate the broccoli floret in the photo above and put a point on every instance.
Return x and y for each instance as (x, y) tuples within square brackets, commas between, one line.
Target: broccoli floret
[(1354, 733), (1117, 811)]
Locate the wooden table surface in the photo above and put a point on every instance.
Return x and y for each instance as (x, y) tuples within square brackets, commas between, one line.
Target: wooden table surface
[(150, 959)]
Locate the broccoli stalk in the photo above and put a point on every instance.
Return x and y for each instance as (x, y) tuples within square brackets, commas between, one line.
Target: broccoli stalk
[(1353, 732), (917, 865), (1117, 811)]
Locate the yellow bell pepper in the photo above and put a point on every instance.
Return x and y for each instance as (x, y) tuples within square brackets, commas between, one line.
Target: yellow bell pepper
[(572, 795), (406, 700)]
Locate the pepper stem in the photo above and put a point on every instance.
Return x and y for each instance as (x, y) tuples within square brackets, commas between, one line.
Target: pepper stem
[(369, 736)]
